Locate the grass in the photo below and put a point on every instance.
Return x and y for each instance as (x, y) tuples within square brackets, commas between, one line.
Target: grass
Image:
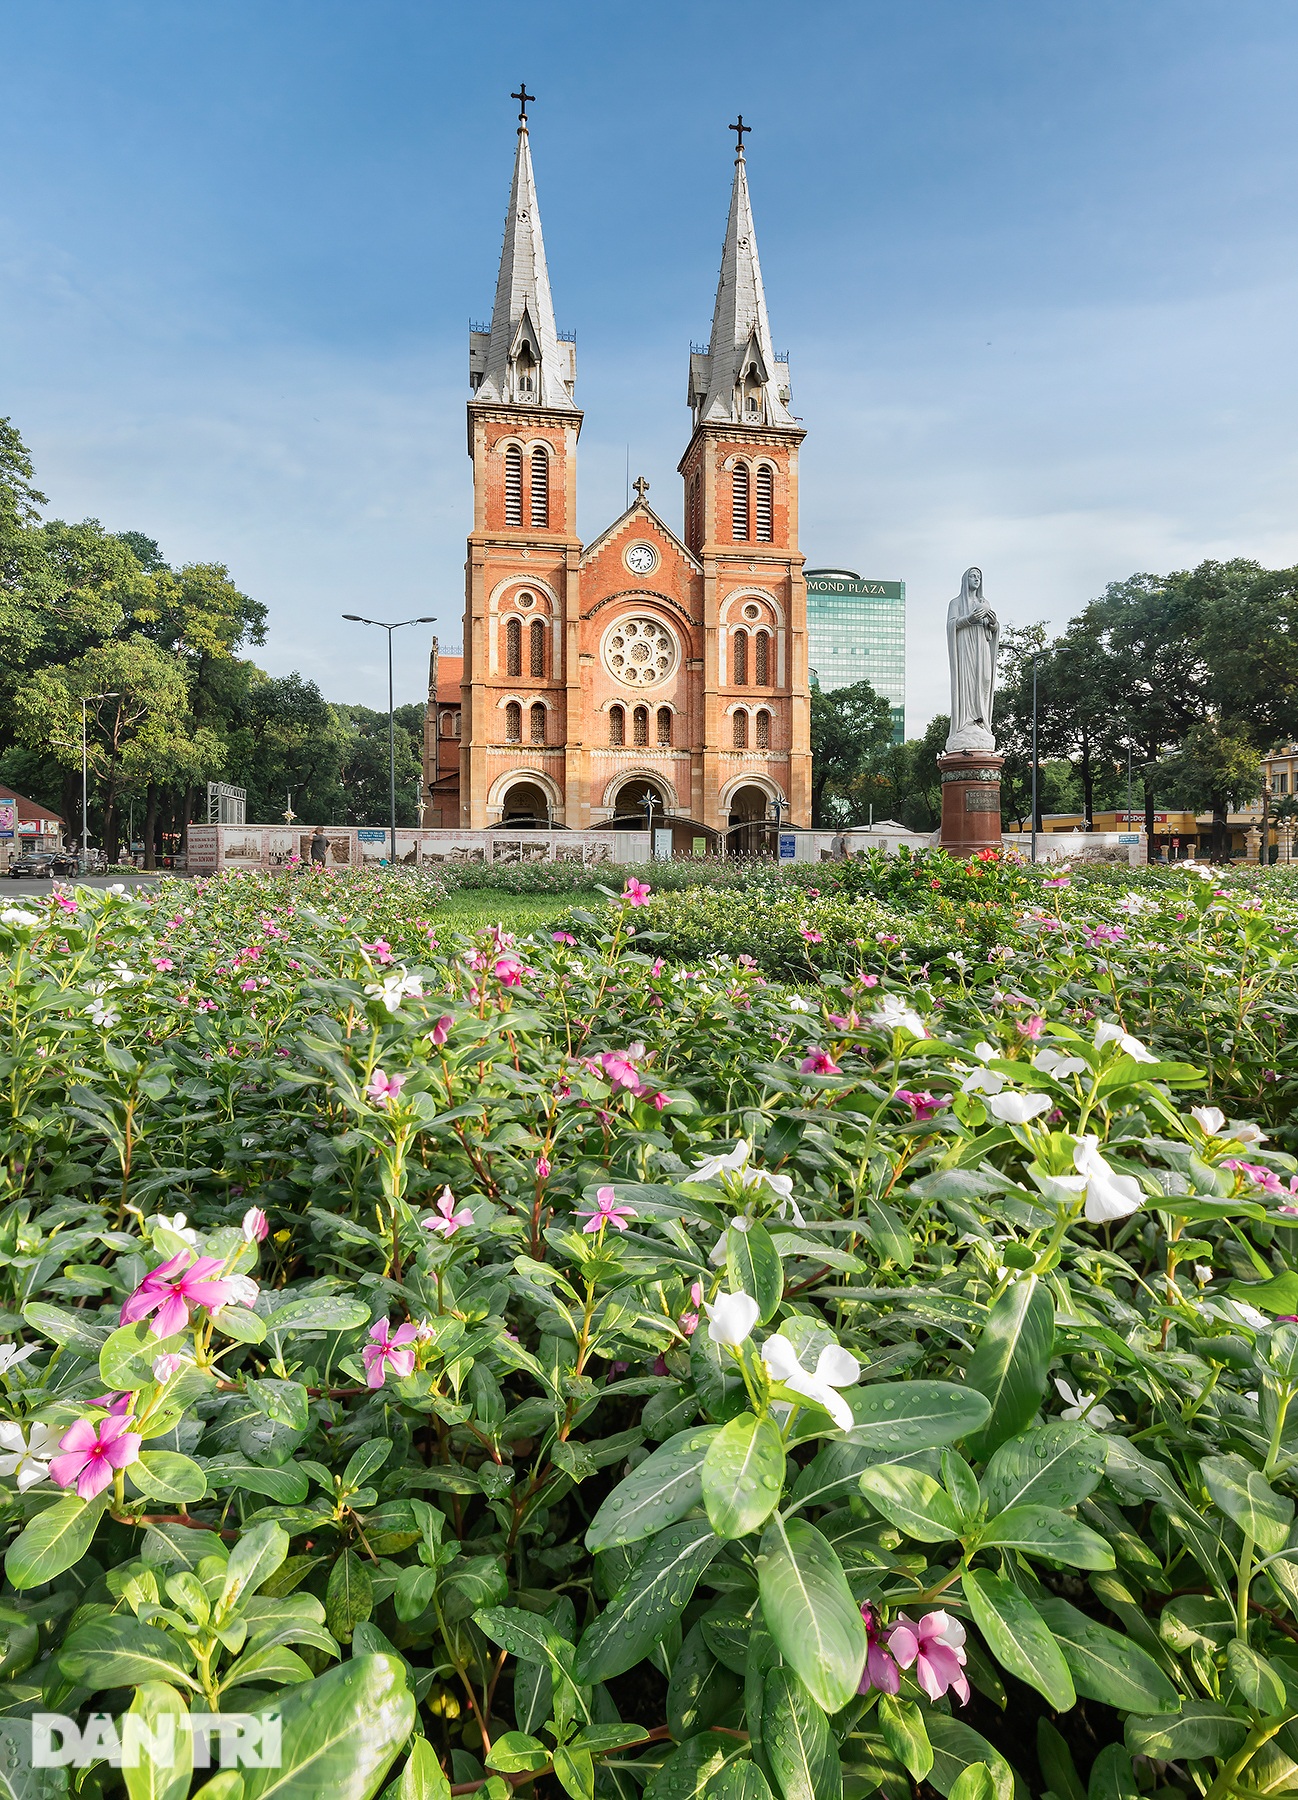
[(470, 909)]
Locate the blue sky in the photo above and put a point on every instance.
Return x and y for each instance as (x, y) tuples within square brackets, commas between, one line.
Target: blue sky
[(1035, 264)]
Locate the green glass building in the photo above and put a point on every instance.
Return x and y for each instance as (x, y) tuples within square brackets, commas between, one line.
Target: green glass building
[(856, 631)]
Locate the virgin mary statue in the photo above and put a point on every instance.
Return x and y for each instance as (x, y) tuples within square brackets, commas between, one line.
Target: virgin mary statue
[(972, 640)]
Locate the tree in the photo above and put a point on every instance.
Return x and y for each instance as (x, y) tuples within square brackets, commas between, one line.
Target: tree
[(851, 734)]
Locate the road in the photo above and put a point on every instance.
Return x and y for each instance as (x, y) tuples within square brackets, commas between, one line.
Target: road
[(41, 884)]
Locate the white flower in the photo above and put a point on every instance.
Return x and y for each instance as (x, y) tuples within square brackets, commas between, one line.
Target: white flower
[(1017, 1109), (798, 1004), (1083, 1406), (27, 1458), (718, 1255), (103, 1015), (1106, 1033), (13, 1354), (124, 972), (1108, 1194), (1193, 868), (1248, 1135), (118, 887), (18, 915), (1136, 903), (1209, 1119), (395, 988), (736, 1163), (985, 1051), (835, 1368), (243, 1289), (983, 1081), (895, 1015), (1055, 1064), (789, 1206), (731, 1318), (958, 957), (179, 1226), (1202, 1274), (1255, 1320)]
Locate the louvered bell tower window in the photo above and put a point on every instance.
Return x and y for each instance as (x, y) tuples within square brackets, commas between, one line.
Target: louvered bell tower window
[(739, 503), (513, 485), (764, 508), (540, 489)]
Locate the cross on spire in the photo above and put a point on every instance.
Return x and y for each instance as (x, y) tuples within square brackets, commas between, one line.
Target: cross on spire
[(522, 96), (739, 129), (641, 487)]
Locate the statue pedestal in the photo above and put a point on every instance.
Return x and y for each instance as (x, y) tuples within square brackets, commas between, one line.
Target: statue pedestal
[(971, 800)]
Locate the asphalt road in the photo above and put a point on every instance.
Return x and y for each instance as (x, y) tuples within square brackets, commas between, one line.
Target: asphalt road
[(42, 884)]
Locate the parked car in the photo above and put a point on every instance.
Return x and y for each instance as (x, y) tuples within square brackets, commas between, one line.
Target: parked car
[(43, 862)]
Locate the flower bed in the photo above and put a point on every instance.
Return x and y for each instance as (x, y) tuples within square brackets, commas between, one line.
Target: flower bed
[(545, 1363)]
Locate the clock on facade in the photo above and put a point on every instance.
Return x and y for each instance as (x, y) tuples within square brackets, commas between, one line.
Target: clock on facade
[(641, 559)]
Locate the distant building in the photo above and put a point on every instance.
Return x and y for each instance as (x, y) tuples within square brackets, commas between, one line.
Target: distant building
[(856, 631), (441, 802), (27, 825)]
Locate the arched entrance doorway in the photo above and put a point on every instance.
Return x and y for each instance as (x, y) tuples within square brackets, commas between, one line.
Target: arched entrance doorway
[(525, 804), (629, 801), (750, 833)]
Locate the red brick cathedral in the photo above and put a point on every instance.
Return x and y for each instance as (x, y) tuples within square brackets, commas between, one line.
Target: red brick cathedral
[(642, 663)]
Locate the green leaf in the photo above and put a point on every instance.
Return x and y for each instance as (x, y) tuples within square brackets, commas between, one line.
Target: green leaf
[(913, 1502), (701, 1689), (652, 1598), (532, 1639), (753, 1265), (1112, 1776), (166, 1475), (339, 1734), (288, 1485), (514, 1752), (1199, 1728), (1041, 1531), (889, 1236), (743, 1473), (1058, 1770), (285, 1402), (161, 1709), (897, 1418), (115, 1650), (1009, 1364), (810, 1612), (349, 1597), (1018, 1637), (1057, 1464), (54, 1540), (1279, 1295), (902, 1725), (738, 1781), (254, 1559), (956, 1746), (974, 1783), (127, 1357), (1255, 1679), (319, 1312), (77, 1331), (422, 1778), (1247, 1497), (228, 1785), (657, 1492), (1105, 1665), (365, 1461), (239, 1323), (575, 1771), (797, 1740), (276, 1666)]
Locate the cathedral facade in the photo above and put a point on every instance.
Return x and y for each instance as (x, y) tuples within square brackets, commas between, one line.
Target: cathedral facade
[(646, 665)]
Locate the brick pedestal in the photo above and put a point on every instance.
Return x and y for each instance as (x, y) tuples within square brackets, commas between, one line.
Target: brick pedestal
[(971, 800)]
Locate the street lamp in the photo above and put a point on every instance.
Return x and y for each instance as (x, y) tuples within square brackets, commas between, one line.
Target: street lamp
[(649, 802), (397, 625), (112, 694), (1035, 654), (778, 806)]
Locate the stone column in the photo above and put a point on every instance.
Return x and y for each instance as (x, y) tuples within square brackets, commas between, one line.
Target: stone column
[(971, 800)]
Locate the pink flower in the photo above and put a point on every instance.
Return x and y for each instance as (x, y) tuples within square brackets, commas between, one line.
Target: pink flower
[(880, 1670), (813, 893), (172, 1288), (869, 981), (163, 962), (620, 1070), (247, 986), (1031, 1028), (1266, 1179), (510, 971), (441, 1031), (383, 1089), (380, 950), (91, 1453), (923, 1105), (936, 1647), (205, 1006), (636, 893), (386, 1350), (450, 1221), (255, 1225), (117, 1404), (661, 1101), (542, 1168), (657, 967), (563, 937), (606, 1212), (820, 1062), (67, 905), (810, 937), (689, 1320), (1060, 881), (165, 1366)]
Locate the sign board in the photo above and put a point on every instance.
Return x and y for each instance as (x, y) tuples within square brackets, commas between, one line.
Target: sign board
[(1129, 837), (699, 846), (662, 843), (226, 805), (788, 846), (8, 818), (368, 835)]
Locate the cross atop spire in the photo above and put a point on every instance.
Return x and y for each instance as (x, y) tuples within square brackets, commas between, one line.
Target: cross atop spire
[(521, 360), (641, 487), (740, 130)]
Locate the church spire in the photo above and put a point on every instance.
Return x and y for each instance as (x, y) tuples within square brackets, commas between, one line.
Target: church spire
[(738, 380), (521, 360)]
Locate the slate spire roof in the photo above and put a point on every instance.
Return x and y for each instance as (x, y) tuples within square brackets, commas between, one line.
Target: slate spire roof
[(738, 378), (522, 359)]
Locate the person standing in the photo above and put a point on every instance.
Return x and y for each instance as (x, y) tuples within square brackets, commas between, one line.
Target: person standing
[(319, 846)]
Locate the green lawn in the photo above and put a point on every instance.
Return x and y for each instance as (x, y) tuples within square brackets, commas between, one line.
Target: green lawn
[(470, 909)]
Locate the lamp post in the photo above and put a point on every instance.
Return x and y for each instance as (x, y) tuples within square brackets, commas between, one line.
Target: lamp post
[(778, 806), (1035, 654), (649, 802), (396, 625), (112, 694)]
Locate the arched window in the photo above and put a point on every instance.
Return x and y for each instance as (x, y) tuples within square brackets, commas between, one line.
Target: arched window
[(513, 485), (616, 725), (513, 646), (763, 730), (664, 724), (541, 489), (640, 725), (739, 503), (538, 723), (513, 723), (448, 724), (536, 647), (741, 659), (762, 658), (741, 730), (764, 510), (696, 524)]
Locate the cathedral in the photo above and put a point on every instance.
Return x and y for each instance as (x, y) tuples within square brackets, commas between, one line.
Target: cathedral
[(645, 675)]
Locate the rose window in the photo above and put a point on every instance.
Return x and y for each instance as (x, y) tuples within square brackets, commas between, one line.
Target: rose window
[(640, 652)]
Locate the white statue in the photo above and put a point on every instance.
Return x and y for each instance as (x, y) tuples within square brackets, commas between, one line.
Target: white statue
[(972, 640)]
